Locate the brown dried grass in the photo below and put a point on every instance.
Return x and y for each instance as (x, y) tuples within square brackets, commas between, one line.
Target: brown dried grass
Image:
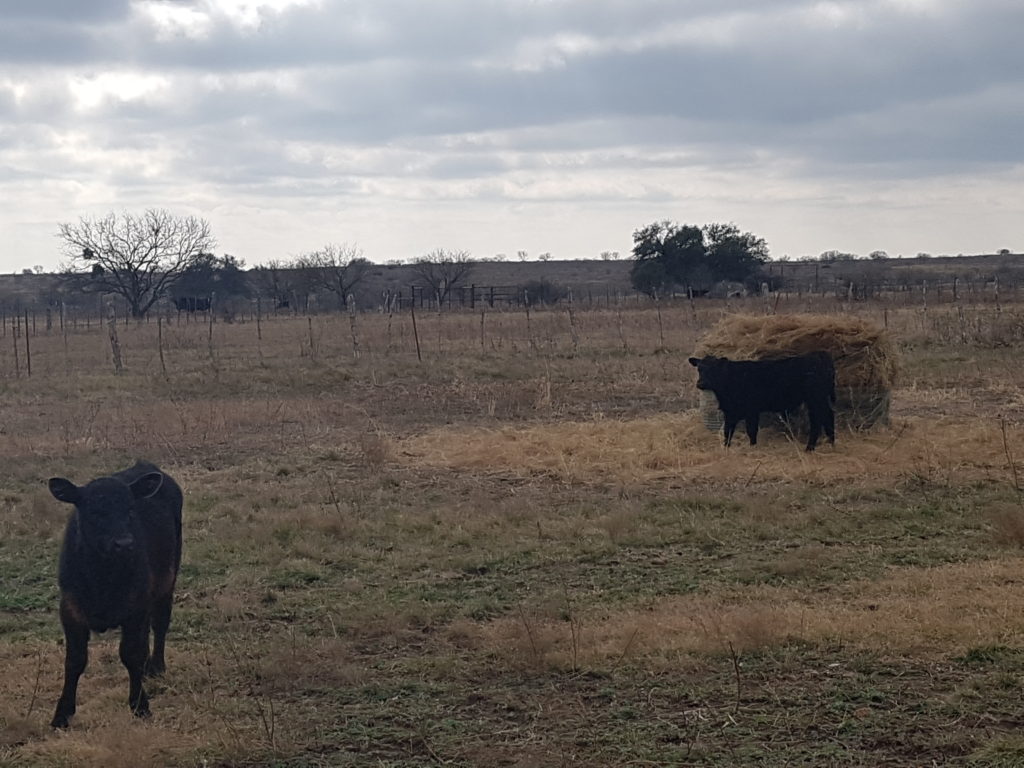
[(678, 447), (930, 613)]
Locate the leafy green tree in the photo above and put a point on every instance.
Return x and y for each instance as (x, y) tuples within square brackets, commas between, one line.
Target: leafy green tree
[(650, 276), (667, 255), (209, 275), (733, 255)]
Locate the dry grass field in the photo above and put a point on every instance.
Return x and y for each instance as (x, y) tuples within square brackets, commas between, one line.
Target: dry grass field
[(522, 547)]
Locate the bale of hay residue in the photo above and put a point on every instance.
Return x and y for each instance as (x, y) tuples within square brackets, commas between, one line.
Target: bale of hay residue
[(864, 355)]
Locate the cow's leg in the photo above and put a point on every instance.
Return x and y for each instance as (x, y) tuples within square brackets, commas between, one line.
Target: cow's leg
[(76, 656), (730, 428), (161, 621), (134, 642), (812, 440), (822, 416), (752, 420), (815, 414)]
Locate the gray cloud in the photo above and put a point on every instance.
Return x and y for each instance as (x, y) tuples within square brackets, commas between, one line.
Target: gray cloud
[(360, 100)]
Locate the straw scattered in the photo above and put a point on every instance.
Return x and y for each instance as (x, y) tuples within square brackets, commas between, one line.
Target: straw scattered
[(677, 447)]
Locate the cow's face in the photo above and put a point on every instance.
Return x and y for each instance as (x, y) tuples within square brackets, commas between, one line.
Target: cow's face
[(709, 371), (106, 509)]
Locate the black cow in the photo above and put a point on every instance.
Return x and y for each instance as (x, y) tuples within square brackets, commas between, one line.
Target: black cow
[(192, 303), (118, 567), (746, 388)]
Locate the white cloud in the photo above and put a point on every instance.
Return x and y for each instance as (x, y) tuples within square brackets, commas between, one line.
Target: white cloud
[(92, 91), (171, 20)]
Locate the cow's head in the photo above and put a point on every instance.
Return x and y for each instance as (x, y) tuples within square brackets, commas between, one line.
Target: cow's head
[(106, 509), (710, 371)]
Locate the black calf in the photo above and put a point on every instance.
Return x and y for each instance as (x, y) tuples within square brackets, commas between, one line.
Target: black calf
[(118, 567)]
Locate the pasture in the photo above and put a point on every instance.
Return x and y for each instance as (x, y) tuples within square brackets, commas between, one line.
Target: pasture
[(519, 546)]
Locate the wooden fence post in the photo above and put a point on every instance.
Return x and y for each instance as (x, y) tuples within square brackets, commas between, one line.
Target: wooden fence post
[(28, 348), (352, 325), (415, 332), (15, 322), (160, 343), (115, 343), (573, 332)]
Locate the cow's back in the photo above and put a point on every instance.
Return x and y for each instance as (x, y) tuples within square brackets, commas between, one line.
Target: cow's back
[(779, 385)]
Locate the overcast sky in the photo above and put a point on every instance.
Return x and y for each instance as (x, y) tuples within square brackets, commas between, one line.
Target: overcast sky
[(561, 126)]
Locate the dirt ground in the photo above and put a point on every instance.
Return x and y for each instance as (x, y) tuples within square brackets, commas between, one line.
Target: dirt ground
[(522, 547)]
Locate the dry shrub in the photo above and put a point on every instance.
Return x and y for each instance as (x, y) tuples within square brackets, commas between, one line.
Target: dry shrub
[(677, 447)]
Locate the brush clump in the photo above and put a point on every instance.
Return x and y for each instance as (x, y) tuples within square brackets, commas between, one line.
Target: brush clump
[(865, 357)]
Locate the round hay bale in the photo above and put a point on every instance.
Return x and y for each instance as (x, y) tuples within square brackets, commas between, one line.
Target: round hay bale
[(709, 413), (864, 355)]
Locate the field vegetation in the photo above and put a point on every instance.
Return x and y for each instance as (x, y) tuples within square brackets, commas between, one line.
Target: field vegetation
[(500, 538)]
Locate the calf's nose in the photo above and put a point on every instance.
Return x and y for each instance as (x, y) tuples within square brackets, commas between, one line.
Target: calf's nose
[(123, 544)]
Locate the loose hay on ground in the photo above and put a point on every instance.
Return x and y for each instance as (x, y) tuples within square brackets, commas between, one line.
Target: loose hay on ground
[(677, 447)]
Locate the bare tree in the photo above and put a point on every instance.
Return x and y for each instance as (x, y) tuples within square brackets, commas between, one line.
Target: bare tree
[(137, 257), (336, 268), (279, 281), (443, 271)]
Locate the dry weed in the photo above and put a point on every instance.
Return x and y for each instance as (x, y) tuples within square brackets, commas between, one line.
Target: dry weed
[(932, 612), (678, 447)]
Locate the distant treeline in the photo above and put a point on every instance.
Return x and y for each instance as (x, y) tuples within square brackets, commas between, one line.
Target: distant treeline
[(395, 287)]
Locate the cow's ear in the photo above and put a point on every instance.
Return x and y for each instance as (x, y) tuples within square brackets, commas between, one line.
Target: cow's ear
[(694, 361), (147, 485), (64, 490)]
